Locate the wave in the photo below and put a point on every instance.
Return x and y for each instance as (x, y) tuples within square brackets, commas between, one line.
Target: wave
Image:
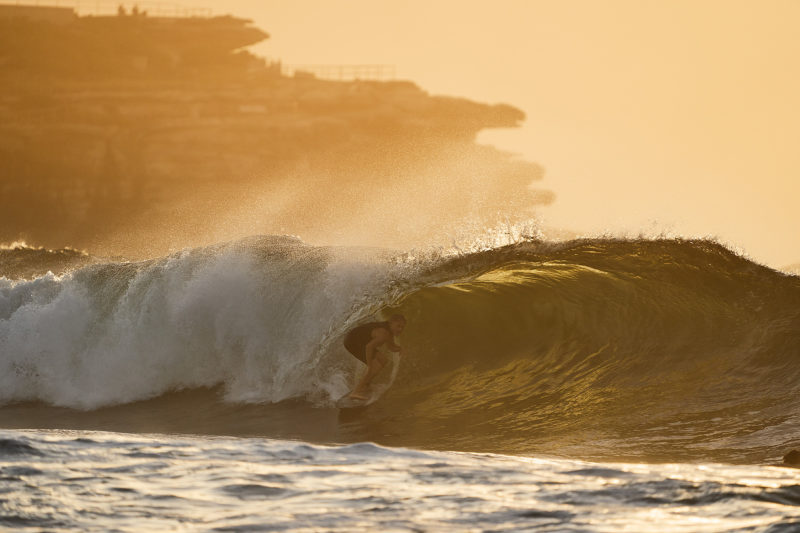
[(19, 260), (256, 315), (661, 348)]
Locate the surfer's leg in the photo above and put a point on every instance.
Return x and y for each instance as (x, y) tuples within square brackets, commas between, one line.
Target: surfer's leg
[(361, 390)]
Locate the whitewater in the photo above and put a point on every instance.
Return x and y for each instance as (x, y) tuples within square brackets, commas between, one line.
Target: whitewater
[(549, 383)]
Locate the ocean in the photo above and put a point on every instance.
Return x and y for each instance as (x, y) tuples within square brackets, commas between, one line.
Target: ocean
[(597, 384)]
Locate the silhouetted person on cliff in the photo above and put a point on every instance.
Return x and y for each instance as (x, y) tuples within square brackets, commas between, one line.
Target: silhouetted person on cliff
[(363, 342)]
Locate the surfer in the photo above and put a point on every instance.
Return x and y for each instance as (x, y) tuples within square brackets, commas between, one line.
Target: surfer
[(363, 342)]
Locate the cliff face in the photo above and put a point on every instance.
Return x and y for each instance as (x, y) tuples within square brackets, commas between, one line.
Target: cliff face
[(106, 151)]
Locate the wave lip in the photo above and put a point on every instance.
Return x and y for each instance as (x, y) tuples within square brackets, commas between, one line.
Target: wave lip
[(19, 260)]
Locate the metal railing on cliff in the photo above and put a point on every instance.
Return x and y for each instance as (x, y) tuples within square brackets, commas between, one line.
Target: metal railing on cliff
[(342, 72), (64, 11)]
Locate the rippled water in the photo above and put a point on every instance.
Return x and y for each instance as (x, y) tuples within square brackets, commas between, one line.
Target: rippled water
[(95, 481)]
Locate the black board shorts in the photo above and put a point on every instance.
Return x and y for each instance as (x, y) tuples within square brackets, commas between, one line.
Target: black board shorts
[(357, 339), (358, 350)]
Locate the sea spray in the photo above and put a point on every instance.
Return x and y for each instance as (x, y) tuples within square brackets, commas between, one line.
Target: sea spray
[(254, 316)]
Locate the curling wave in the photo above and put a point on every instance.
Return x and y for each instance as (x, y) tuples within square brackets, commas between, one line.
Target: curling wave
[(659, 349)]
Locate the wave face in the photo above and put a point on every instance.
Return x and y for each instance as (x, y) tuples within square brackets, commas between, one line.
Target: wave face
[(654, 349), (662, 349)]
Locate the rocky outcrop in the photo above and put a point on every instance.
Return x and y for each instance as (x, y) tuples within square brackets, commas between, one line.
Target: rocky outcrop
[(98, 154)]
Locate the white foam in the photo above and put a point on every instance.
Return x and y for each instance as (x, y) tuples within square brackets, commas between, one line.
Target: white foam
[(263, 318)]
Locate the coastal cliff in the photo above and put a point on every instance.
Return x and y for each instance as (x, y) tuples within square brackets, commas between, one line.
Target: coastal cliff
[(111, 126)]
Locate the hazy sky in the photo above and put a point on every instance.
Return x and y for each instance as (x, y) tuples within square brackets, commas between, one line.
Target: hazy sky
[(676, 115)]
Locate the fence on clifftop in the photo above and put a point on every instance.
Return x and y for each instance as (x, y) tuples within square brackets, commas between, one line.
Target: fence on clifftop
[(65, 11), (342, 72)]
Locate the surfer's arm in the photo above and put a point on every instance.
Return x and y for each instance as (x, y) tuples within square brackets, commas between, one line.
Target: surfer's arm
[(394, 347)]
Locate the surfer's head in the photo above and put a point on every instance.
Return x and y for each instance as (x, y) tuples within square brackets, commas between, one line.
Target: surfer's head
[(397, 323)]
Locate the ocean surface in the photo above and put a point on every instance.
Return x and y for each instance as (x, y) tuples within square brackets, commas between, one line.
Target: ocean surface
[(588, 385)]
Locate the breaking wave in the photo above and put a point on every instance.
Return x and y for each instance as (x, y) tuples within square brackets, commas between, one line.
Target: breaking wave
[(660, 348)]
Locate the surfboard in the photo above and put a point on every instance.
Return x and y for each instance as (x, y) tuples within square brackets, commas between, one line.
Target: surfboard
[(346, 402)]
